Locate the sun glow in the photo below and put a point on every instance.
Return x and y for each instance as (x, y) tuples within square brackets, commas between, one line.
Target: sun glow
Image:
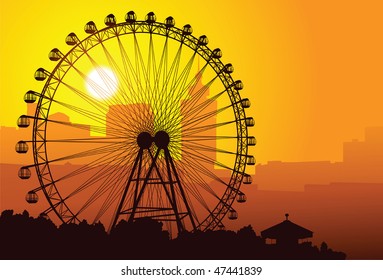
[(102, 83)]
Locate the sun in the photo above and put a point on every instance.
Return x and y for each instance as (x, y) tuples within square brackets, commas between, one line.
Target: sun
[(102, 83)]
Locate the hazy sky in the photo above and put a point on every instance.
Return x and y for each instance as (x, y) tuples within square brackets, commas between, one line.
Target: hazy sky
[(312, 69)]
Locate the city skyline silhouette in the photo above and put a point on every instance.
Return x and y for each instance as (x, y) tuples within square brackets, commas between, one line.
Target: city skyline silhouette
[(341, 221)]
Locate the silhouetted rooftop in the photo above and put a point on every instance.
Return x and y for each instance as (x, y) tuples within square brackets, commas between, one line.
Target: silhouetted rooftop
[(286, 229)]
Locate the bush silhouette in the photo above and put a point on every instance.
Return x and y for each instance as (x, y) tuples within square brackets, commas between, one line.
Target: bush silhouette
[(25, 237)]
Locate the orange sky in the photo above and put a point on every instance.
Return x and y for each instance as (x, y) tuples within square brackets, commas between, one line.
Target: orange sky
[(311, 68)]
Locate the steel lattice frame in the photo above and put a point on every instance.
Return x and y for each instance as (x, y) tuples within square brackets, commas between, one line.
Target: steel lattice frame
[(47, 182)]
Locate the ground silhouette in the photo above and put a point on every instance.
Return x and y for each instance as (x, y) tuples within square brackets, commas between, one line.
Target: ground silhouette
[(26, 237)]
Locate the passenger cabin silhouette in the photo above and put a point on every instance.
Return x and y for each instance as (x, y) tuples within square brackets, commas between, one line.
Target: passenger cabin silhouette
[(287, 233)]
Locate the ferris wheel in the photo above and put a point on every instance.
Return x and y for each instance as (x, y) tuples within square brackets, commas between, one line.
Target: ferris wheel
[(139, 119)]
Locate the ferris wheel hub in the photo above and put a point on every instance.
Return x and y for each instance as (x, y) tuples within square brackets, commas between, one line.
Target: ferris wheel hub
[(144, 140), (162, 139)]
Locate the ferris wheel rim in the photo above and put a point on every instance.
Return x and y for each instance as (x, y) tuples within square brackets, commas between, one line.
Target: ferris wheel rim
[(226, 79)]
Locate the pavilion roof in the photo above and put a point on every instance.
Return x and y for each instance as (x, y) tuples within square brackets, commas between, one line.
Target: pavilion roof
[(286, 229)]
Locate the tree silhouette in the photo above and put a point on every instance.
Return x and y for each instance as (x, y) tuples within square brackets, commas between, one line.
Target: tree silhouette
[(25, 237)]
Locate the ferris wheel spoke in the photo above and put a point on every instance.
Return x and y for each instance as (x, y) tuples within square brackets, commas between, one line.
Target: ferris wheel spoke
[(141, 71), (90, 152), (113, 132), (95, 164), (124, 87), (167, 72), (90, 140), (127, 72), (159, 98), (120, 123), (117, 131), (122, 96), (110, 165), (207, 148), (191, 176), (167, 84), (194, 93), (81, 110), (99, 89), (193, 104), (197, 165), (151, 68), (105, 164), (178, 88), (79, 126), (204, 158), (107, 80), (192, 208), (171, 76), (123, 114), (190, 124), (160, 71), (91, 114), (109, 180), (116, 125), (110, 83), (89, 166), (190, 170), (139, 114), (178, 91), (197, 113), (200, 111), (207, 127), (171, 115), (99, 106), (191, 86), (199, 138), (111, 198), (184, 197), (191, 189), (96, 115)]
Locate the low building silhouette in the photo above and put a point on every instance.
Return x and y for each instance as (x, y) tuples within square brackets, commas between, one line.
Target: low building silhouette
[(362, 161)]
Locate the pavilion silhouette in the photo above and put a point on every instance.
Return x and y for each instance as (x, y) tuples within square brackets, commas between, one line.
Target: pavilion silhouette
[(287, 234)]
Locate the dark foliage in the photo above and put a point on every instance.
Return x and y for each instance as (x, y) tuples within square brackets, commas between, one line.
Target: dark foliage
[(25, 237)]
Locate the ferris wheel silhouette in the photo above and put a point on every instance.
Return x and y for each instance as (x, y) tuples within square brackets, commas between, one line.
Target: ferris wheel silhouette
[(139, 119)]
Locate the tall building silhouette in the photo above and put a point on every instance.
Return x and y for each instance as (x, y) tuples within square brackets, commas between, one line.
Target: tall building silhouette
[(196, 105), (369, 151), (135, 118)]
